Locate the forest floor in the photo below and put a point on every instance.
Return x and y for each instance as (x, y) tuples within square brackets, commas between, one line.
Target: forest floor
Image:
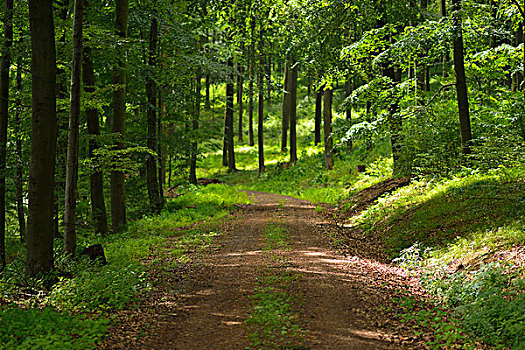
[(276, 254)]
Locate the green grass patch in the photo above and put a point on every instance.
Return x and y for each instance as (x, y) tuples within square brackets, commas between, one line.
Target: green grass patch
[(273, 323), (276, 237)]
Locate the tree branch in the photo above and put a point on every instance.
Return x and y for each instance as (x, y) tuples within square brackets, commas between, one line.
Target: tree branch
[(438, 92)]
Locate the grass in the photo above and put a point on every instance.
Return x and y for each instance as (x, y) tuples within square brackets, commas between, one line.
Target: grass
[(273, 322)]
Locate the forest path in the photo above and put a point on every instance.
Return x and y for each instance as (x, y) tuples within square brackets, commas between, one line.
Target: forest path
[(336, 299)]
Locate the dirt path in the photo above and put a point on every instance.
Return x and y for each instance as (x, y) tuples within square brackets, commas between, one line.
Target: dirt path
[(338, 298)]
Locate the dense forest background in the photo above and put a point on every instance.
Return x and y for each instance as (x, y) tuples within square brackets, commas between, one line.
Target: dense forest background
[(109, 110)]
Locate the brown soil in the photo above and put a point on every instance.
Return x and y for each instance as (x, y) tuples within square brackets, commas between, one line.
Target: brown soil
[(339, 297)]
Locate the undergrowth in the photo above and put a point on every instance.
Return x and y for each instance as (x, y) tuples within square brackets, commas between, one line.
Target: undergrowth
[(94, 289)]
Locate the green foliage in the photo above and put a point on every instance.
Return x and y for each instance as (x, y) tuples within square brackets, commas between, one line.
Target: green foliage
[(48, 329), (489, 300), (111, 287)]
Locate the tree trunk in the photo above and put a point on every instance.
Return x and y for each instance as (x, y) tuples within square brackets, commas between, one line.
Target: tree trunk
[(285, 122), (251, 138), (152, 142), (292, 105), (118, 185), (269, 80), (348, 92), (318, 116), (228, 120), (96, 179), (70, 205), (461, 83), (19, 159), (195, 121), (395, 125), (39, 237), (240, 88), (446, 58), (327, 128), (208, 83), (260, 123), (5, 65), (62, 7)]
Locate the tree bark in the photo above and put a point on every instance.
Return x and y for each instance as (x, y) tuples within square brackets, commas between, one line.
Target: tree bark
[(446, 58), (327, 128), (152, 142), (96, 179), (240, 90), (348, 92), (5, 65), (19, 159), (39, 238), (118, 185), (285, 121), (318, 116), (260, 122), (228, 120), (251, 138), (461, 82), (292, 105), (62, 9), (195, 121), (70, 205)]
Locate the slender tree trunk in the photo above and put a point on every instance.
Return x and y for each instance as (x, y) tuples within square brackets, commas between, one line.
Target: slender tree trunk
[(118, 185), (19, 159), (39, 237), (269, 80), (208, 83), (260, 122), (152, 142), (96, 179), (446, 56), (251, 138), (348, 92), (327, 128), (5, 64), (240, 90), (395, 126), (62, 9), (318, 116), (461, 83), (285, 122), (228, 118), (292, 105), (70, 205), (195, 121)]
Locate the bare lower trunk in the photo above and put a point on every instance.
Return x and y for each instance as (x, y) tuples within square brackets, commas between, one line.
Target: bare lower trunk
[(348, 92), (327, 128), (152, 142), (251, 138), (318, 116), (118, 185), (260, 123), (293, 112), (285, 121), (70, 205), (461, 82), (96, 179), (240, 90), (39, 238), (19, 159), (5, 64), (228, 125)]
